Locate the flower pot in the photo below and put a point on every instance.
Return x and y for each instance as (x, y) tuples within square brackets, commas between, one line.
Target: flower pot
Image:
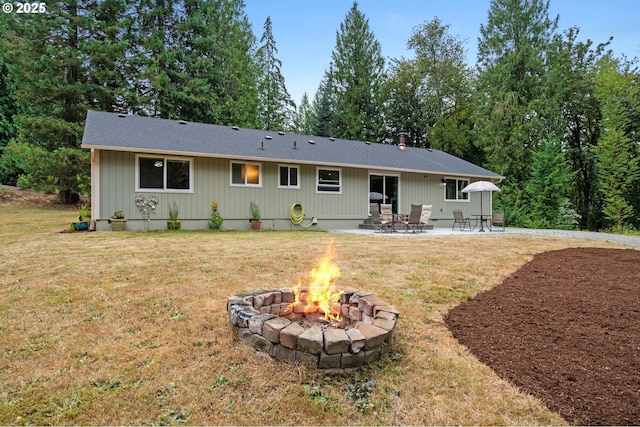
[(80, 225), (174, 224), (256, 224), (215, 223), (118, 224)]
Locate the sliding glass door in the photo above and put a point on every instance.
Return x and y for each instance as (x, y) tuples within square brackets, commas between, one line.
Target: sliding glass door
[(384, 189)]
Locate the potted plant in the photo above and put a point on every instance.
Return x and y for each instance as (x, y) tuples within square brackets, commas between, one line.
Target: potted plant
[(255, 215), (216, 219), (82, 223), (173, 223), (117, 220)]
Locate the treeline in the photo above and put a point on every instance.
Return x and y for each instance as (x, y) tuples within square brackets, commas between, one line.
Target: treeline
[(557, 116)]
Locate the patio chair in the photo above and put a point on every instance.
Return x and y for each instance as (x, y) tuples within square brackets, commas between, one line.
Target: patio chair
[(497, 218), (387, 214), (413, 220), (459, 219), (377, 219), (386, 211), (424, 217)]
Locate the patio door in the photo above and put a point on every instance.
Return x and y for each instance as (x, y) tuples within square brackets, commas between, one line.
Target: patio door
[(384, 189)]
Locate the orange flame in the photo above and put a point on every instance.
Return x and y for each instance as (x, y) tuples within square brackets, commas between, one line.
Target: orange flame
[(321, 292)]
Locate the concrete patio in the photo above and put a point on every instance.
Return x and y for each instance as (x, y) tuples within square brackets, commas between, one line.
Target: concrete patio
[(632, 241)]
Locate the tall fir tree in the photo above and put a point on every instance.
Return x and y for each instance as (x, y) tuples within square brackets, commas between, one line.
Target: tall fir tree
[(220, 73), (324, 107), (303, 121), (155, 57), (358, 79), (105, 48), (511, 88), (548, 188), (7, 106), (48, 71), (277, 109)]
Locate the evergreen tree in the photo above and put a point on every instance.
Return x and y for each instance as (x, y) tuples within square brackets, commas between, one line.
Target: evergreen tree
[(155, 57), (324, 108), (547, 188), (235, 93), (276, 106), (358, 79), (303, 122), (219, 73), (47, 71), (7, 106), (105, 47), (618, 159), (511, 88)]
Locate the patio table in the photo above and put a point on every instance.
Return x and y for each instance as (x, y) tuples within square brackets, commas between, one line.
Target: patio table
[(481, 218)]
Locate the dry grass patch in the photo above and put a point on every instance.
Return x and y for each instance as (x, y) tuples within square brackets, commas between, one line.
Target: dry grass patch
[(131, 328)]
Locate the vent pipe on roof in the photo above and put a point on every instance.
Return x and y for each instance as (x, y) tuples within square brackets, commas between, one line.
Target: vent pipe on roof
[(402, 140), (294, 144), (262, 145)]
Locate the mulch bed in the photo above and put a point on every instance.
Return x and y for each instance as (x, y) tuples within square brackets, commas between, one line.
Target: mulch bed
[(566, 329)]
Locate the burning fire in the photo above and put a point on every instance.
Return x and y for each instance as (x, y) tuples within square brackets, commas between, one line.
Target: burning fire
[(321, 292)]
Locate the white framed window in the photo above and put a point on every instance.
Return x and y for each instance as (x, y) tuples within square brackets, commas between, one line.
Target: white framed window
[(453, 190), (246, 174), (288, 176), (328, 180), (164, 173)]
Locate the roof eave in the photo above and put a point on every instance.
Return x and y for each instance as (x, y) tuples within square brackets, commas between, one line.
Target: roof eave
[(280, 160)]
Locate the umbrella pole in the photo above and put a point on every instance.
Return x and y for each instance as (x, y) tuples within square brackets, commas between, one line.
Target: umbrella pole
[(481, 222)]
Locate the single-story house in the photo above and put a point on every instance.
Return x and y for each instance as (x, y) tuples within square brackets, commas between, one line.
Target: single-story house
[(332, 179)]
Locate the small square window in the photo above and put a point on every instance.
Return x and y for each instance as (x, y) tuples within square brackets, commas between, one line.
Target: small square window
[(453, 189), (288, 177), (245, 174)]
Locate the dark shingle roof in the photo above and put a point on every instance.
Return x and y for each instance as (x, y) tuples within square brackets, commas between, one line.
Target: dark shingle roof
[(111, 131)]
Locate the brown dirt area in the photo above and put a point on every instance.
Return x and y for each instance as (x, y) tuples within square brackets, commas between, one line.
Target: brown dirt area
[(14, 196), (566, 329)]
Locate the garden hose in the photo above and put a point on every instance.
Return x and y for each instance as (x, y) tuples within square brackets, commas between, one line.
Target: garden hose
[(297, 218)]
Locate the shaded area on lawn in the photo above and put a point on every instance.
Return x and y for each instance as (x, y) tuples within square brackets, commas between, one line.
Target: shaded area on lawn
[(565, 328)]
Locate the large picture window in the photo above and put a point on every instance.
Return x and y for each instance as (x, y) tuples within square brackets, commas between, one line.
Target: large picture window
[(158, 173), (453, 189), (288, 177), (328, 181), (246, 174)]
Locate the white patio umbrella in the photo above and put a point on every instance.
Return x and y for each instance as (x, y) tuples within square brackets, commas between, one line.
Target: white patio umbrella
[(377, 196), (480, 187)]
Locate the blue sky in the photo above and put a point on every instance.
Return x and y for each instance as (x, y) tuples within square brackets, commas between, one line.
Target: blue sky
[(305, 30)]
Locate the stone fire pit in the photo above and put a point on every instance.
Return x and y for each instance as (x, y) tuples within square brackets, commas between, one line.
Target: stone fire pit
[(267, 321)]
